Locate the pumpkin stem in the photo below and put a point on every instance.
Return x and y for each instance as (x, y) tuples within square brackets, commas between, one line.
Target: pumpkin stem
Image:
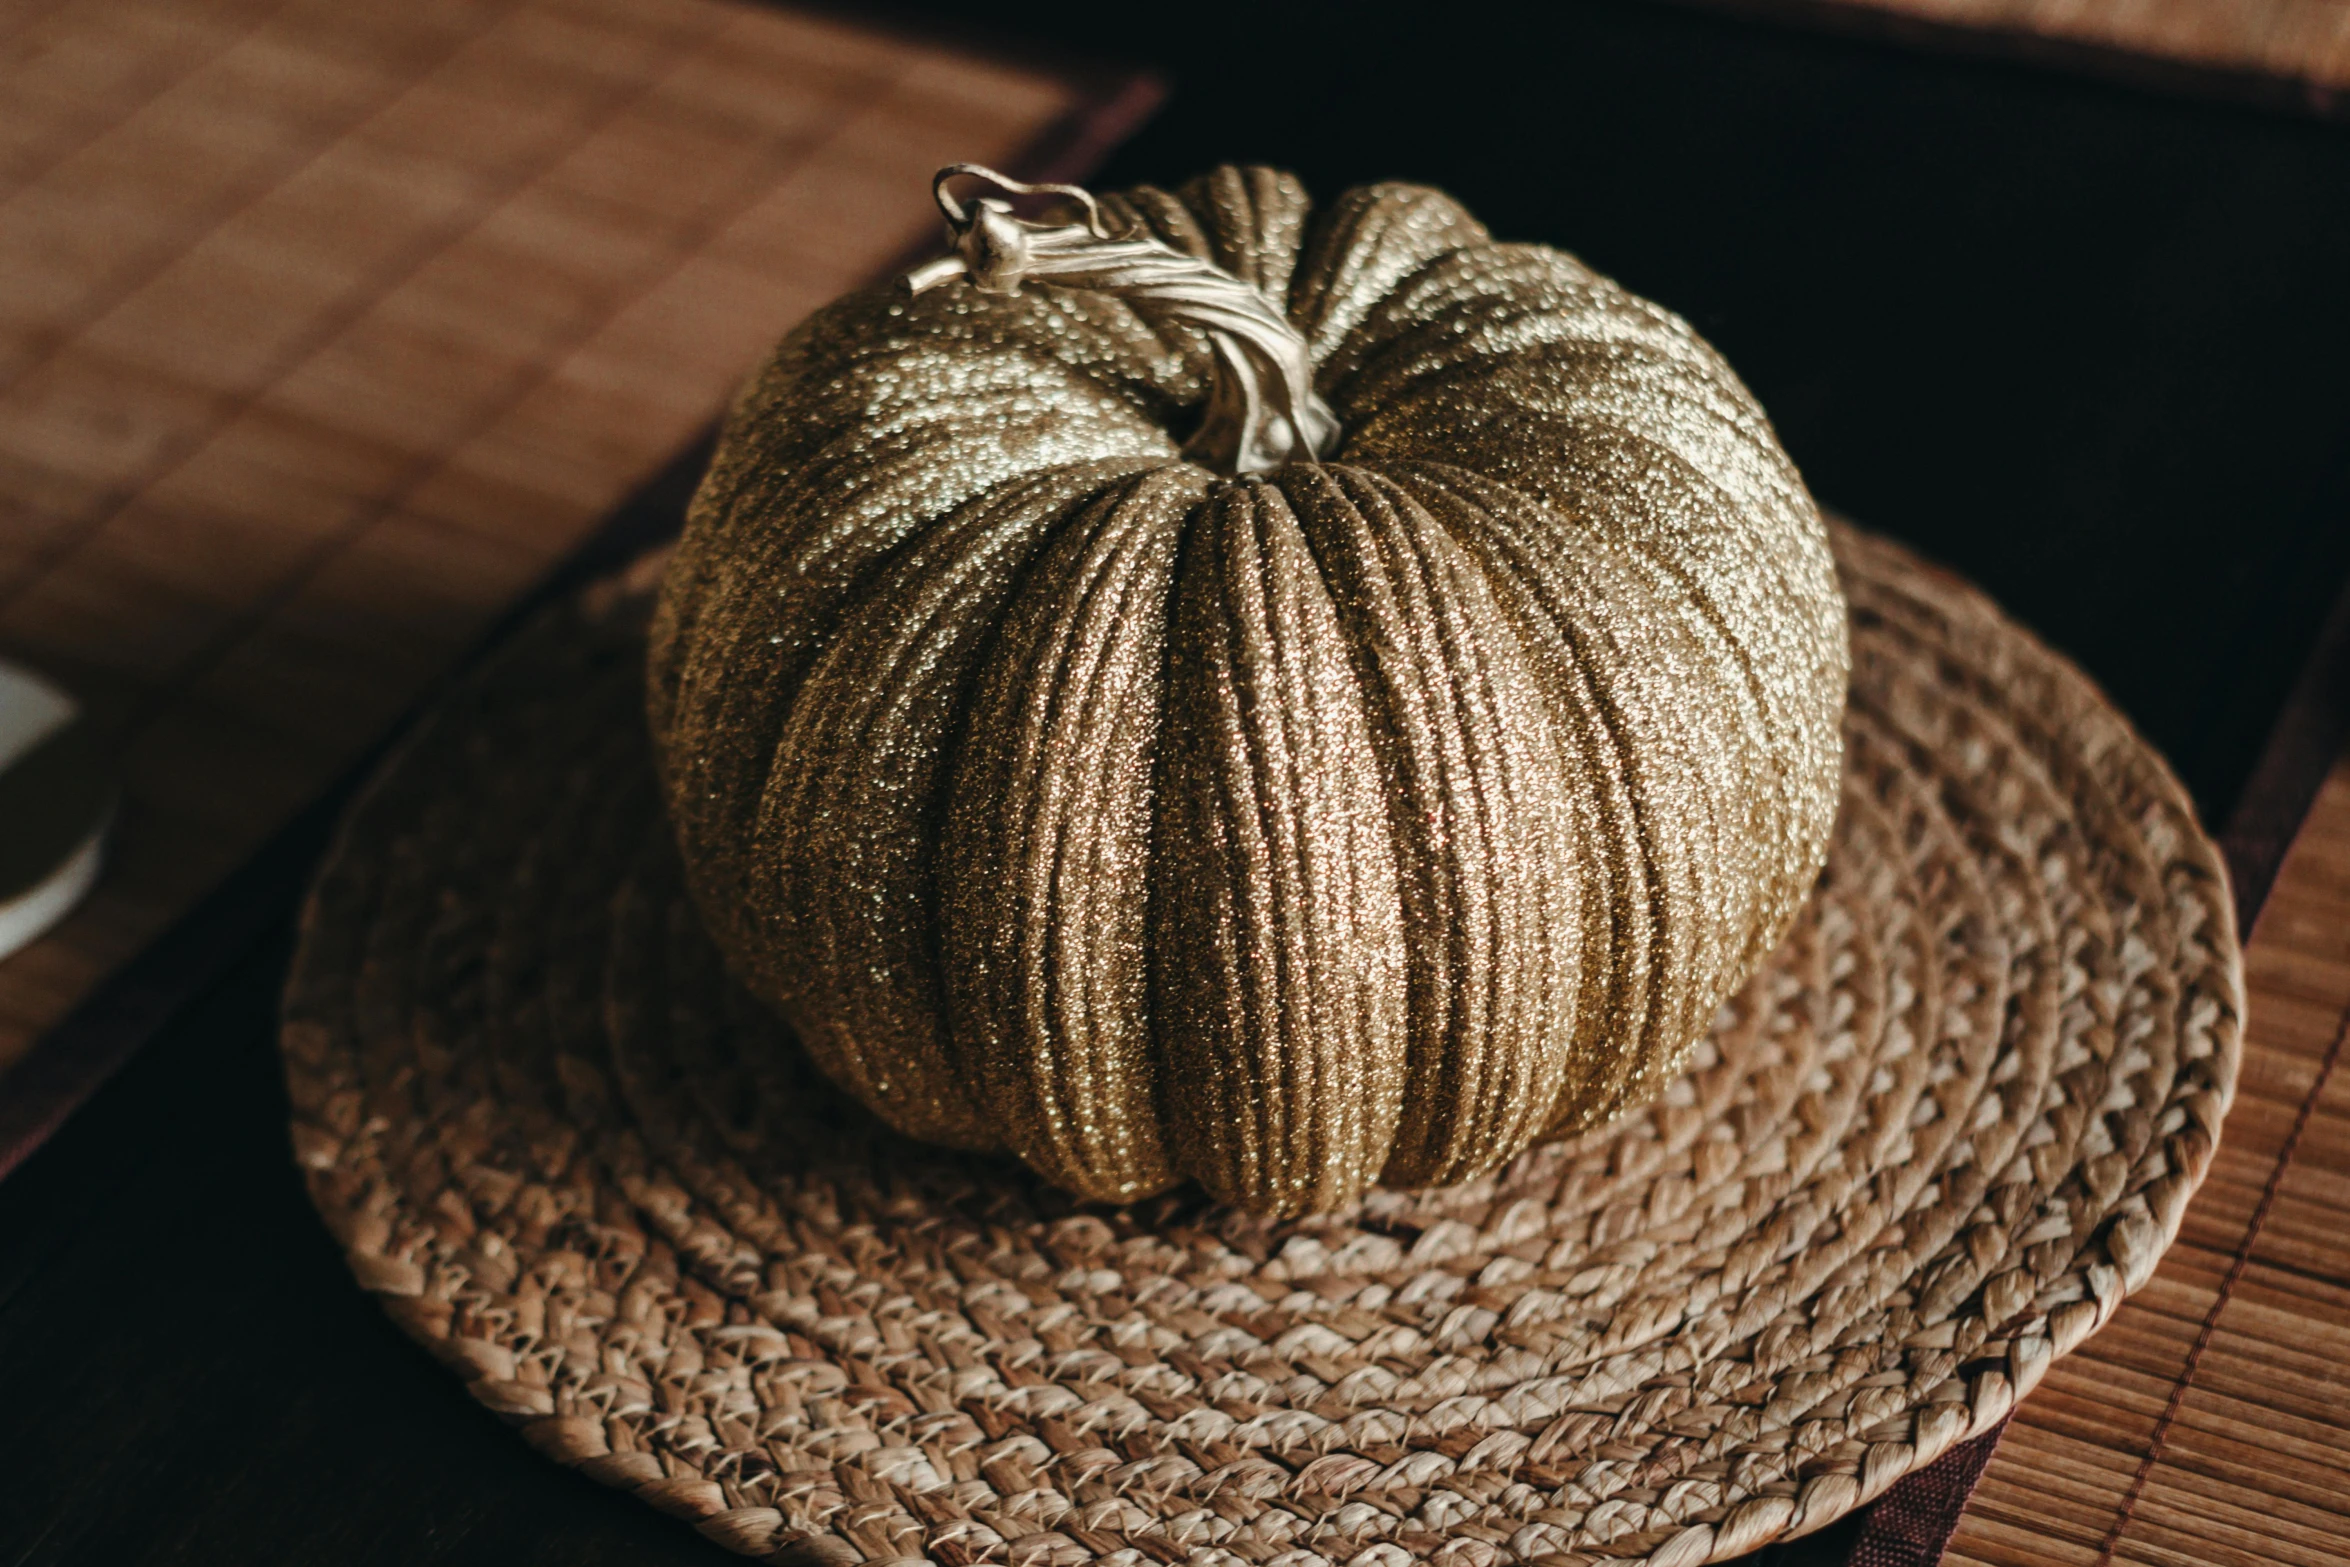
[(1262, 410)]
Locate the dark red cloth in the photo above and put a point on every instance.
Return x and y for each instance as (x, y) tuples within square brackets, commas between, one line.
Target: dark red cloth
[(1914, 1520)]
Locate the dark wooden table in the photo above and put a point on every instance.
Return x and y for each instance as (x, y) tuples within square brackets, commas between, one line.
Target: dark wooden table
[(2084, 343)]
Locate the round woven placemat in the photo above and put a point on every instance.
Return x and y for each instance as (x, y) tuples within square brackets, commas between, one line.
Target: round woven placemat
[(1930, 1147)]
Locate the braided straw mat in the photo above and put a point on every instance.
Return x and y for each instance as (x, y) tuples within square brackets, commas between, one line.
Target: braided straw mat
[(1929, 1148)]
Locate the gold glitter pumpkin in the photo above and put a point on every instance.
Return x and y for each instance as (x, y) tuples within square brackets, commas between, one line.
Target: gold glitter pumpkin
[(1194, 687)]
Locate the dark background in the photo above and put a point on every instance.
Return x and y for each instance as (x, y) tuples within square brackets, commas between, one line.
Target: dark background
[(2086, 343)]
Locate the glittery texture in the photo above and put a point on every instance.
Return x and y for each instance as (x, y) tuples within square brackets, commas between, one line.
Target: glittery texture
[(1355, 823)]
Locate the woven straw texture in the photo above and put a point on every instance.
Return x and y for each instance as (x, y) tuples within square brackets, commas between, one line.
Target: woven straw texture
[(1928, 1148)]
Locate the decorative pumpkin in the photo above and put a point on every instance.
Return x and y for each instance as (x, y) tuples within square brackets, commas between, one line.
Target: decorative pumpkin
[(1190, 687)]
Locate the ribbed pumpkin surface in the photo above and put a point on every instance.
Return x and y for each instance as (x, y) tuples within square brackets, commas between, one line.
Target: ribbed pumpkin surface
[(1357, 822)]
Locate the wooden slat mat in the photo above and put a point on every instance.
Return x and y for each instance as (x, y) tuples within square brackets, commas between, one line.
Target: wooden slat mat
[(2210, 1421), (2282, 51), (325, 329)]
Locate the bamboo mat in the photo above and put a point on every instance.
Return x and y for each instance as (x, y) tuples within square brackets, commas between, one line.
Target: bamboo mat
[(2279, 50), (325, 329), (2210, 1421)]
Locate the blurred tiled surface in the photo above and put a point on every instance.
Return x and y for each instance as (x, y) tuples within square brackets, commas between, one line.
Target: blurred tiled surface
[(2304, 44), (326, 328)]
